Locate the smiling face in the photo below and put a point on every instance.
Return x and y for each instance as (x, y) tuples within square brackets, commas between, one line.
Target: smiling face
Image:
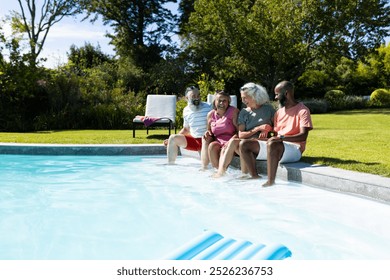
[(194, 98), (248, 100), (221, 102)]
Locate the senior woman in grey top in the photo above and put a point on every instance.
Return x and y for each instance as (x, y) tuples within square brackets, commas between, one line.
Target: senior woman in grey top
[(255, 121)]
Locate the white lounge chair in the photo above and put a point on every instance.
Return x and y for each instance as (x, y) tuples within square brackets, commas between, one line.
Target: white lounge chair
[(160, 111), (210, 99)]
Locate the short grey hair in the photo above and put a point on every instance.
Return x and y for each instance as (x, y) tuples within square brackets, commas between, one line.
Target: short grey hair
[(257, 92)]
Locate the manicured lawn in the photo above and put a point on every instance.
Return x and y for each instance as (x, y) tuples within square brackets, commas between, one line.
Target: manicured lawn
[(355, 140), (87, 137)]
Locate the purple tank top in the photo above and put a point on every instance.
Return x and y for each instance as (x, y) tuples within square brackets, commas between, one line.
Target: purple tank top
[(223, 127)]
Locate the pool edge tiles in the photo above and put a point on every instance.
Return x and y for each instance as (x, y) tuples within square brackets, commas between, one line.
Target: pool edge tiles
[(82, 149), (351, 182), (361, 184)]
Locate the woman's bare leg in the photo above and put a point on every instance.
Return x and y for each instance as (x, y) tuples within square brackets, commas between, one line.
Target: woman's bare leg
[(227, 156), (214, 152), (249, 149)]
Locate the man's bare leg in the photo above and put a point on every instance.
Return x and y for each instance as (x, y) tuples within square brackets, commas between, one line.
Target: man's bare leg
[(174, 142), (204, 154), (275, 150)]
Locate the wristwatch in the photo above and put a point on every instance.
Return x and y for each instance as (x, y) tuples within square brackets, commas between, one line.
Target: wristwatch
[(281, 137)]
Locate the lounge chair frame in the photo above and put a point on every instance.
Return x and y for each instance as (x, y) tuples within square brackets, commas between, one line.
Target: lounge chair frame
[(162, 107)]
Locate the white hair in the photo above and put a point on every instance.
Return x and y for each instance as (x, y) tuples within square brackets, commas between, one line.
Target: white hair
[(257, 92)]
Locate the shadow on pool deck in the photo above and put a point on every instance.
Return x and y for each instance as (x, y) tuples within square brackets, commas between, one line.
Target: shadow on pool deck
[(363, 184)]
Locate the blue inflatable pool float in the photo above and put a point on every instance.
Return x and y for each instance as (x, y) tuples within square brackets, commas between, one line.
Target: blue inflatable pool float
[(213, 246)]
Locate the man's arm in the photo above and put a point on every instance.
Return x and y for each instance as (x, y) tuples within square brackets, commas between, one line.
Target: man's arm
[(300, 137)]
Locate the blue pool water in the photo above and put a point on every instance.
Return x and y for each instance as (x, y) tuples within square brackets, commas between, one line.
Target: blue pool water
[(131, 207)]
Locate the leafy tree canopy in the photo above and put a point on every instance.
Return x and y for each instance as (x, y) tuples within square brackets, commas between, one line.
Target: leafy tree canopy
[(140, 26), (269, 40)]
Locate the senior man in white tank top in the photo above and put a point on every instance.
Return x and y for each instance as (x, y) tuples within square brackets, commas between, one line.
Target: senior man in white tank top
[(194, 126)]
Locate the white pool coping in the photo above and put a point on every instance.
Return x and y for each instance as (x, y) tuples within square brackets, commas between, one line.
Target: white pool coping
[(335, 179)]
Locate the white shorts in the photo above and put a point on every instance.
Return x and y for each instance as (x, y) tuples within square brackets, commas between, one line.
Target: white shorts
[(263, 150), (292, 153)]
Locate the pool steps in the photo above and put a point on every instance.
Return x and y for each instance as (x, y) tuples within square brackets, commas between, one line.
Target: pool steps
[(211, 245)]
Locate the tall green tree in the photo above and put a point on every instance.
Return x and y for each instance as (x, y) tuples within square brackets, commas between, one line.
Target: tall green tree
[(269, 40), (346, 28), (250, 40), (373, 71), (22, 94), (186, 7), (36, 18), (141, 28), (86, 57)]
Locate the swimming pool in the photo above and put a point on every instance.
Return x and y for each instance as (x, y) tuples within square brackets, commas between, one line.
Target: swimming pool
[(136, 207)]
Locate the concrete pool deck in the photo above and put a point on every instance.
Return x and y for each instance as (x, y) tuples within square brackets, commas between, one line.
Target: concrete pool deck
[(362, 184)]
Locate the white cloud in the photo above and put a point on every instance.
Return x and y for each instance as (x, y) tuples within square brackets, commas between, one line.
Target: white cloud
[(63, 35), (78, 31)]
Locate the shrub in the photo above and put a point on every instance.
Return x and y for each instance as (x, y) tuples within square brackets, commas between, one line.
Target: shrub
[(336, 99), (316, 106), (334, 94), (179, 111), (355, 102), (274, 104), (209, 85), (380, 97)]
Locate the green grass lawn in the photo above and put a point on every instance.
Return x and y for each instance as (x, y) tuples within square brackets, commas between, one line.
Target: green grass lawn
[(87, 137), (354, 140)]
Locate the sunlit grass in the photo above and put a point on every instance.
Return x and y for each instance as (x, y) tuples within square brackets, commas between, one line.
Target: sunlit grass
[(86, 137), (355, 140)]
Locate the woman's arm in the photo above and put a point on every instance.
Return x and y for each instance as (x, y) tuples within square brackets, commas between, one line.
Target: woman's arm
[(263, 129)]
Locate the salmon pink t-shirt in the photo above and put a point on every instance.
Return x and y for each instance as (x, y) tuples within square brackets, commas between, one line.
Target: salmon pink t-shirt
[(289, 121)]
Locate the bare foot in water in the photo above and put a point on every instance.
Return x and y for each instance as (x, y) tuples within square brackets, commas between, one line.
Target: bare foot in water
[(218, 175), (268, 184), (244, 177), (249, 177)]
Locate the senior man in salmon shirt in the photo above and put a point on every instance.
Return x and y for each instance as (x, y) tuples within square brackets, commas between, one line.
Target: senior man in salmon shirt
[(292, 123)]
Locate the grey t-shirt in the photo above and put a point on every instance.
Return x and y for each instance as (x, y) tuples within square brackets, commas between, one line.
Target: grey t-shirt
[(262, 115)]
